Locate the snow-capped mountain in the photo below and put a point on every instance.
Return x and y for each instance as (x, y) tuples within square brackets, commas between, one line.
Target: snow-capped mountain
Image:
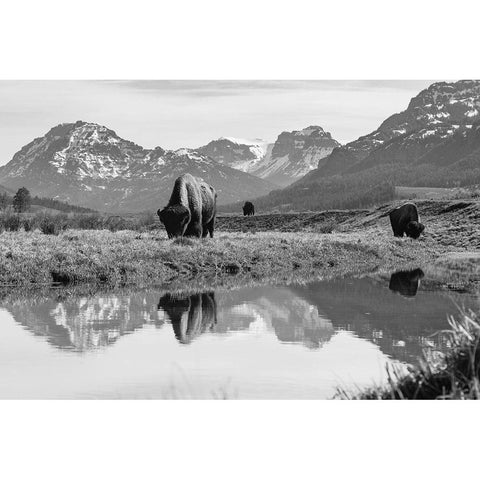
[(90, 165), (294, 154), (433, 142), (431, 117), (238, 153)]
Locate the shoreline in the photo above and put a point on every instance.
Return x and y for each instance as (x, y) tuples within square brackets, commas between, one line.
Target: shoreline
[(29, 259), (264, 247)]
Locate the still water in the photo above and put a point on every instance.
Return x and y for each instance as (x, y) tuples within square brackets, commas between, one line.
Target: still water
[(296, 341)]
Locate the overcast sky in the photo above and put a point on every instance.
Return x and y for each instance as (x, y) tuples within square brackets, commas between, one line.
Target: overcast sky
[(174, 114)]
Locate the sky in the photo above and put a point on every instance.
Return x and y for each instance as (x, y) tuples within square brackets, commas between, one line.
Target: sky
[(179, 113)]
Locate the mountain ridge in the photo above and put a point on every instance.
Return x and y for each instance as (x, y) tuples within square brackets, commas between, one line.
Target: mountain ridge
[(292, 155), (90, 165), (440, 122)]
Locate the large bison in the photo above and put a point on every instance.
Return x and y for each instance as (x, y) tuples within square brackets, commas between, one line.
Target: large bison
[(248, 209), (404, 220), (191, 209), (191, 315)]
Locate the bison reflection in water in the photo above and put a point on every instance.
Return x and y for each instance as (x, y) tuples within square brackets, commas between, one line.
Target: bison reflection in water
[(191, 315), (406, 283)]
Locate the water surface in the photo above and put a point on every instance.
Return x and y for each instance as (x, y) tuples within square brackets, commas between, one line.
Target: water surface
[(296, 341)]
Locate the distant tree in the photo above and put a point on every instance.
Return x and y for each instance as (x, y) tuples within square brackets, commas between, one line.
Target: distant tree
[(5, 201), (22, 200)]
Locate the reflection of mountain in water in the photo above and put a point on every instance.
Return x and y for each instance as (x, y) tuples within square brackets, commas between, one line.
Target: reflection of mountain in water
[(400, 324), (87, 322), (190, 315), (293, 319)]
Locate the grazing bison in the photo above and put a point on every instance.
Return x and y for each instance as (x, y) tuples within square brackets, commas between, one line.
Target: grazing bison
[(404, 219), (191, 209), (191, 315), (406, 283), (248, 209)]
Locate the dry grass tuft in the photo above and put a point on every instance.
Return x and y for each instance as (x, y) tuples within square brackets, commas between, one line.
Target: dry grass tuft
[(454, 375)]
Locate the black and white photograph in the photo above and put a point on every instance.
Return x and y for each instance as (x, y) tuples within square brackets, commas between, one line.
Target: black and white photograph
[(239, 240), (192, 254)]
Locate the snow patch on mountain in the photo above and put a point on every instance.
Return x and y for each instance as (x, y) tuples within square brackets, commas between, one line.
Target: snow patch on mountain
[(89, 164)]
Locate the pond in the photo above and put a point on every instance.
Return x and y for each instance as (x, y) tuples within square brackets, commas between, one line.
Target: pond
[(298, 341)]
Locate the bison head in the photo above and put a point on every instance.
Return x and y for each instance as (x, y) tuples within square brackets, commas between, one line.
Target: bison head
[(414, 229), (175, 219)]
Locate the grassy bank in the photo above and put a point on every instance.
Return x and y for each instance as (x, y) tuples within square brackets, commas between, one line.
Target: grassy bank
[(269, 246), (455, 375), (129, 257)]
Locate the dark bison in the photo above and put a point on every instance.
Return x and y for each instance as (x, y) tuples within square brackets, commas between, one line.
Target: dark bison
[(248, 209), (406, 283), (191, 315), (191, 209), (404, 219)]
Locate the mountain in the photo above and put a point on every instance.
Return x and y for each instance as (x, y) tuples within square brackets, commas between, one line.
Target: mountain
[(431, 117), (294, 154), (238, 153), (90, 165), (434, 142), (291, 156)]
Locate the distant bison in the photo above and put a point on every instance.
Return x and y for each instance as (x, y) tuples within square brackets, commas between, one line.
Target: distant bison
[(248, 209), (404, 220), (191, 209)]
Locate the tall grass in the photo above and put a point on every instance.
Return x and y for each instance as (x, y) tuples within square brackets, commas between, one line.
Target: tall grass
[(54, 223), (453, 375)]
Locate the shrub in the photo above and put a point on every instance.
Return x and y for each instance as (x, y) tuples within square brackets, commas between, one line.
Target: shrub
[(52, 224), (49, 227), (30, 223), (88, 222), (11, 221)]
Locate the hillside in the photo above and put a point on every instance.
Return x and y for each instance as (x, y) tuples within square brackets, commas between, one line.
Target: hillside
[(238, 153), (293, 154), (90, 165), (434, 142)]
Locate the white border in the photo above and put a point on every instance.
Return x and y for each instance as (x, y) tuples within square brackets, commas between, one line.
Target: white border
[(238, 40), (251, 39)]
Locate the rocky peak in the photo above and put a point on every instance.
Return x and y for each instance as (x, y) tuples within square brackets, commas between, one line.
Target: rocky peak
[(295, 143), (88, 164), (296, 153), (441, 93), (239, 153), (432, 116)]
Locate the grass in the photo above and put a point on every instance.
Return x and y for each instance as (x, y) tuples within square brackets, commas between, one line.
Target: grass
[(453, 375), (80, 248), (129, 257), (53, 223)]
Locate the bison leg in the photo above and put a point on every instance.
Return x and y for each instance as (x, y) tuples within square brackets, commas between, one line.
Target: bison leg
[(209, 227), (397, 230), (194, 229)]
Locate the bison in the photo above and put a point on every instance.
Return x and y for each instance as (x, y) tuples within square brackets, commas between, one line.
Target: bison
[(405, 220), (191, 209), (248, 209)]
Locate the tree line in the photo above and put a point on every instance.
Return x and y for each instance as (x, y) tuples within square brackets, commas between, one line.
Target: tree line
[(23, 200)]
